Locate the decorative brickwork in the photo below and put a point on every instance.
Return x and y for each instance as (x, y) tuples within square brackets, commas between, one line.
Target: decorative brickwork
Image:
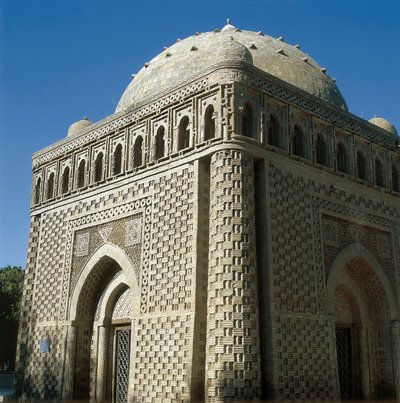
[(233, 365), (307, 372), (116, 236), (51, 255), (171, 263), (162, 364), (303, 356), (378, 242), (291, 225), (27, 312), (190, 228), (123, 307)]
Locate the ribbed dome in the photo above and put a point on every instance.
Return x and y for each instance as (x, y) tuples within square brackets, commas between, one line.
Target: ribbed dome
[(78, 126), (384, 124), (192, 55)]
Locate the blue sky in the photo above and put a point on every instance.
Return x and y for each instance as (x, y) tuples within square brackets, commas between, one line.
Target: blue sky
[(65, 59)]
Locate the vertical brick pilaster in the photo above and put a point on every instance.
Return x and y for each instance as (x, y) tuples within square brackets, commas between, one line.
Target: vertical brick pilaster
[(395, 338), (233, 356), (26, 318)]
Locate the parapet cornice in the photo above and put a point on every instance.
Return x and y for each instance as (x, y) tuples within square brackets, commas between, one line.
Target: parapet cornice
[(114, 122), (133, 114), (227, 72), (317, 107)]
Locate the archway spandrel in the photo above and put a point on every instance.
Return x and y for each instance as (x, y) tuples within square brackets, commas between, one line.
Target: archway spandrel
[(120, 233), (362, 302), (358, 264), (102, 266), (338, 233)]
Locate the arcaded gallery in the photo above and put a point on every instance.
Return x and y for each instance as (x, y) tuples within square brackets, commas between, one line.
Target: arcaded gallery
[(230, 232)]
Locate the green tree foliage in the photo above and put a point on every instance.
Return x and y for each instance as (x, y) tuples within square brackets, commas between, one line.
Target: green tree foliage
[(11, 284)]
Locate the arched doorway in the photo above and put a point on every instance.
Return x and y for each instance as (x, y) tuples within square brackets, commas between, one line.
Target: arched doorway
[(111, 343), (103, 305), (362, 302)]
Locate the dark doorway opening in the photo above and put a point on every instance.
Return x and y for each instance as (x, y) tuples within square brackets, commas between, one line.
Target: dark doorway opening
[(344, 362), (122, 354)]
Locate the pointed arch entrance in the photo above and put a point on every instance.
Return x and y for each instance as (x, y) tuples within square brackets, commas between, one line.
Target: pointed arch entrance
[(102, 307), (362, 302)]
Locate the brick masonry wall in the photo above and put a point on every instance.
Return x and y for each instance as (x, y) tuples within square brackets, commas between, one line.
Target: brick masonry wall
[(308, 229), (165, 262)]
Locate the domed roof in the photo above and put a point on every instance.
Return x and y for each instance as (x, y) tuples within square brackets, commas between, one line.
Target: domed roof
[(196, 53), (78, 126), (384, 124), (235, 51)]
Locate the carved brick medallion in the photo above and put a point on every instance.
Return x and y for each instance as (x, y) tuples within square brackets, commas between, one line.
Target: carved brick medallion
[(383, 246), (356, 233), (105, 233), (330, 232), (133, 232), (82, 244)]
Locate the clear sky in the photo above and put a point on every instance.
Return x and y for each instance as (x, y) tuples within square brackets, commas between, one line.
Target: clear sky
[(65, 59)]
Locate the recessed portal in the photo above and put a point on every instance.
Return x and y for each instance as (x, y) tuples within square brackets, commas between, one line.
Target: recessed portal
[(362, 333)]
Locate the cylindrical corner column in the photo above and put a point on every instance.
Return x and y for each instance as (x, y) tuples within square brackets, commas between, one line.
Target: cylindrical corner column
[(69, 363), (233, 350), (395, 336), (101, 363)]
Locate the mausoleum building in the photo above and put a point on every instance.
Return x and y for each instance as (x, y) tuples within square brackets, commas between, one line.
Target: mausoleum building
[(231, 232)]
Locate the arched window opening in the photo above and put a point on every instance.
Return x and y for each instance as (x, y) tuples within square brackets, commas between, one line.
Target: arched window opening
[(117, 160), (209, 123), (81, 174), (273, 131), (50, 187), (160, 143), (341, 158), (298, 141), (183, 134), (65, 181), (378, 172), (361, 166), (395, 179), (98, 168), (36, 199), (247, 120), (321, 150), (138, 152)]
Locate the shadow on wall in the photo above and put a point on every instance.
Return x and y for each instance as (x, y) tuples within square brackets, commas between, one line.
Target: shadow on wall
[(27, 385), (39, 357)]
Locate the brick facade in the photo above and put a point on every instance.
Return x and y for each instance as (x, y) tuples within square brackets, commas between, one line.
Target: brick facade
[(233, 255)]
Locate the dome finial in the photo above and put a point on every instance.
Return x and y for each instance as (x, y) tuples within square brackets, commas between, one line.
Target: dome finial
[(228, 26)]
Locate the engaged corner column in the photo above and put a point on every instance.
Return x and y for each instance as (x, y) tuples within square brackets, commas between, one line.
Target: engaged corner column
[(395, 336), (233, 350), (101, 363), (69, 365)]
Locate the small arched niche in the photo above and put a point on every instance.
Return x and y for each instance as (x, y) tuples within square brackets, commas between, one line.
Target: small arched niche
[(247, 117), (209, 123)]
